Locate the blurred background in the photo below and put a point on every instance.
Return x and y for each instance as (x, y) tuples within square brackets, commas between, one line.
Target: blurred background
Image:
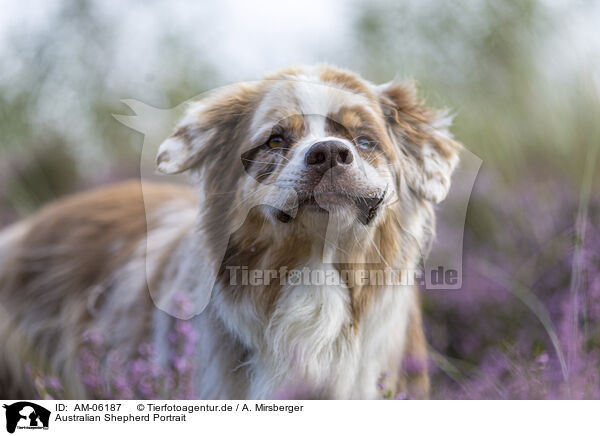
[(522, 78)]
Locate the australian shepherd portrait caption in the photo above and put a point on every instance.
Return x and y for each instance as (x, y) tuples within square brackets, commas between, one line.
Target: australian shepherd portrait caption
[(311, 169)]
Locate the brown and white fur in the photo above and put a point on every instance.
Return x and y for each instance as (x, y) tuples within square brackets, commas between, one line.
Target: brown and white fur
[(384, 160)]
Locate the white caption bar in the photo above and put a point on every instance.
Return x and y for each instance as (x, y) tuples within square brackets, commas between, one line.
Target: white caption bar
[(150, 417)]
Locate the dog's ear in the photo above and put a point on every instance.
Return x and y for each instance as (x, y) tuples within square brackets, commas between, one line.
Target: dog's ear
[(207, 127), (423, 137)]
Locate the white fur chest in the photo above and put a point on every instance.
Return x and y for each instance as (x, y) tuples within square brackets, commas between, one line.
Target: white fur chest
[(311, 344)]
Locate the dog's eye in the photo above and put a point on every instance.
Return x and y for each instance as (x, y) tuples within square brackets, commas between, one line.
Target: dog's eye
[(365, 143), (276, 141)]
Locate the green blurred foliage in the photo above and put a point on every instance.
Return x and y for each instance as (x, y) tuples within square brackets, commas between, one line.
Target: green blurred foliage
[(58, 90), (485, 60)]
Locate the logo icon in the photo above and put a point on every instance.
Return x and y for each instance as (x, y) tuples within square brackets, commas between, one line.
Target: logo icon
[(26, 415), (446, 256)]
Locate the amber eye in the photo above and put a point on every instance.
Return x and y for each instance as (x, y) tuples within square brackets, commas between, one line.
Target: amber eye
[(365, 143), (276, 141)]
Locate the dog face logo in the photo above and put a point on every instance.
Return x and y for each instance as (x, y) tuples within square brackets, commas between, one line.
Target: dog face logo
[(297, 155), (26, 415)]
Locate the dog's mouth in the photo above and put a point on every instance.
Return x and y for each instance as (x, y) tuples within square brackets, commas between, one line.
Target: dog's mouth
[(366, 205)]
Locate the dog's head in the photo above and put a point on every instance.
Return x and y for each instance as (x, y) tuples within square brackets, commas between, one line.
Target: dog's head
[(313, 142)]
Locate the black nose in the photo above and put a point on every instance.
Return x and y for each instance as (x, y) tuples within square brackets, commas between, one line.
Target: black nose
[(327, 154)]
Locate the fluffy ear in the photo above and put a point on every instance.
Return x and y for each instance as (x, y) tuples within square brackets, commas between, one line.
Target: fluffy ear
[(181, 150), (207, 126), (423, 138)]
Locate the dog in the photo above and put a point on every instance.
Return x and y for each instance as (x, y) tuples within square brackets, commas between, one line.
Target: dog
[(341, 176)]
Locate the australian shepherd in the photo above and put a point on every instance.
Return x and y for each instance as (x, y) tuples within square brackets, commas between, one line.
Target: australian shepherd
[(302, 184)]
